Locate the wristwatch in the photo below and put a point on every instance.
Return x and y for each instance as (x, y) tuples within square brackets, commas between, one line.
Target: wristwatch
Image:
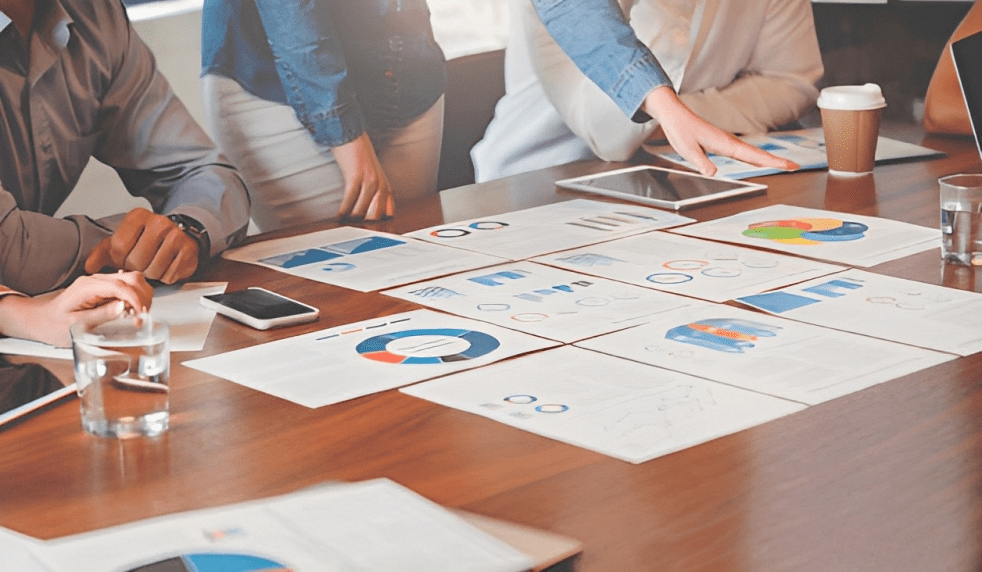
[(196, 231)]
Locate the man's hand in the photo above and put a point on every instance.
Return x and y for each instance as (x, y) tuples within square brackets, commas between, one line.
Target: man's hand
[(150, 243), (367, 194), (692, 137)]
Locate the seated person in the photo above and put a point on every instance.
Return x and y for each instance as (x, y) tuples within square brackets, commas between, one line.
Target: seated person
[(90, 299), (738, 68), (944, 106), (76, 82)]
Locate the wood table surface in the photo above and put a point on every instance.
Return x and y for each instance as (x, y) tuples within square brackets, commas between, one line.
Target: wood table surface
[(888, 478)]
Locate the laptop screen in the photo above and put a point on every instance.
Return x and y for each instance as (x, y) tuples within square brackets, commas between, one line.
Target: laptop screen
[(967, 55)]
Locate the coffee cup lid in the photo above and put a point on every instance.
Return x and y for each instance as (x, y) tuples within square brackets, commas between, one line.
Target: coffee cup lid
[(866, 96)]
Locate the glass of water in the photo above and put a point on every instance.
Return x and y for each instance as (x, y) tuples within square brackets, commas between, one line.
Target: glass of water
[(122, 369), (961, 219)]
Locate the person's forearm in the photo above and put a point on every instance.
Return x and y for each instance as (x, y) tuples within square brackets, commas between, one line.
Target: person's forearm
[(20, 317), (753, 103), (597, 38), (39, 253)]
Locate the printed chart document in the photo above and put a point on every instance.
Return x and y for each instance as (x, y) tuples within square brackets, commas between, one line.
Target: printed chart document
[(372, 526), (177, 305), (762, 353), (337, 364), (541, 300), (627, 410), (682, 265), (838, 237), (541, 230), (359, 259), (925, 315), (804, 146)]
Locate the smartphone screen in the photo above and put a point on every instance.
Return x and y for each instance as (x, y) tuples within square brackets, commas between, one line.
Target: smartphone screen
[(260, 304)]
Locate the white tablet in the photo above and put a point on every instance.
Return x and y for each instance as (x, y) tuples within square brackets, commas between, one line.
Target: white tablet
[(27, 387), (665, 188)]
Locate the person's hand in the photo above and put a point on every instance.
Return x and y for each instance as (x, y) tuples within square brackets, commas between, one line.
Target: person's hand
[(692, 137), (150, 243), (90, 299), (367, 194)]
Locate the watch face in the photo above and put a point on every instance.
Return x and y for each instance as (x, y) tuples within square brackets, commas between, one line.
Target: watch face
[(195, 230)]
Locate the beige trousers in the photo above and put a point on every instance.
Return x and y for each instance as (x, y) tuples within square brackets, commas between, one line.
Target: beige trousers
[(294, 180)]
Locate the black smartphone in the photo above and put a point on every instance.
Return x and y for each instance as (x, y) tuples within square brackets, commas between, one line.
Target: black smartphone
[(260, 309)]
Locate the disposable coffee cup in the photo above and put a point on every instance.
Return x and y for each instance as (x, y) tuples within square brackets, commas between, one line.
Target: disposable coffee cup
[(851, 122)]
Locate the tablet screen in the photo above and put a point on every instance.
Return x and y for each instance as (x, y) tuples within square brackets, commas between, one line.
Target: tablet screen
[(663, 187), (26, 387)]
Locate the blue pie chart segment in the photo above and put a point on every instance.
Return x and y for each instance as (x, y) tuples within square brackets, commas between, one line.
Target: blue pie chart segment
[(214, 563), (477, 344)]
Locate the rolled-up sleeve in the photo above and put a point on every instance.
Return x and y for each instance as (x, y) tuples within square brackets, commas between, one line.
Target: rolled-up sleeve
[(162, 154), (745, 84), (311, 65), (597, 38)]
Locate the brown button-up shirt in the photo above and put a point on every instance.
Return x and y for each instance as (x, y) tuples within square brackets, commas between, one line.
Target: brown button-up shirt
[(87, 86)]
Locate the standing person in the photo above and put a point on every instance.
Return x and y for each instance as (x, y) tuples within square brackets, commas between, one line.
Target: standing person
[(75, 83), (329, 107), (599, 78)]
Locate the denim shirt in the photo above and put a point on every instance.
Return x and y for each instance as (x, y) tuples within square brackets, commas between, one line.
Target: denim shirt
[(596, 36), (345, 66)]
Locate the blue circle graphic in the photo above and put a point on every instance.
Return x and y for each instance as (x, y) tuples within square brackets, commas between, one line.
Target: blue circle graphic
[(479, 344)]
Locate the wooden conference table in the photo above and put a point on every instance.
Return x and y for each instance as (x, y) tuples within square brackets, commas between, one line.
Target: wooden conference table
[(889, 478)]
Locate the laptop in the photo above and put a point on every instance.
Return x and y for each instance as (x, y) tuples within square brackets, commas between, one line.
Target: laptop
[(967, 55)]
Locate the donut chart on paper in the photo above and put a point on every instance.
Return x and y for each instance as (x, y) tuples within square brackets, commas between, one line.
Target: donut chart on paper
[(427, 346), (213, 563)]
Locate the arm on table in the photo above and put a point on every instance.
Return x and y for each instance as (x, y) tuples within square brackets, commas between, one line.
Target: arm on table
[(90, 299), (163, 155)]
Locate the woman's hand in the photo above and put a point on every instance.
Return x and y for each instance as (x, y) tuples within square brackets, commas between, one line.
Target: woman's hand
[(90, 299), (692, 137), (367, 194)]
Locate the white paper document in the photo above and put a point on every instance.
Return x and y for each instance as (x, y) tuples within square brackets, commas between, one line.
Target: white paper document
[(541, 300), (337, 364), (769, 355), (682, 265), (924, 315), (806, 147), (180, 306), (630, 411), (359, 259), (177, 305), (838, 237), (549, 228), (372, 526)]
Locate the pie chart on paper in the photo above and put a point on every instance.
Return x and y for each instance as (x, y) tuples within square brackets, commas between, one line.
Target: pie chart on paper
[(214, 563)]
